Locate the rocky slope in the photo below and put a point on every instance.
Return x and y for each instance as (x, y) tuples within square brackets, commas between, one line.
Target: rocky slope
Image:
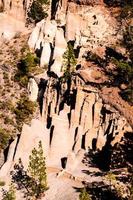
[(77, 113)]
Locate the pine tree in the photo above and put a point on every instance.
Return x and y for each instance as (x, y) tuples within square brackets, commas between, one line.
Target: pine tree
[(69, 61), (84, 195), (9, 195), (37, 171)]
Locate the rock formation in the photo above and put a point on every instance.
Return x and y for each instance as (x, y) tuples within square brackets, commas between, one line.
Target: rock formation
[(12, 17), (73, 119), (91, 28), (74, 114)]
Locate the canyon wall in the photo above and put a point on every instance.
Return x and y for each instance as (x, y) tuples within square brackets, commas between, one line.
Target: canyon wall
[(73, 119), (13, 15), (73, 116)]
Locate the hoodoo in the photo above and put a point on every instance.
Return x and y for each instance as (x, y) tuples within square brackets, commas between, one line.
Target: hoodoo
[(66, 107)]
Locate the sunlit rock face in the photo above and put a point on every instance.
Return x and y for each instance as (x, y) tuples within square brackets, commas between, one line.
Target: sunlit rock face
[(73, 115), (12, 18), (88, 24), (32, 89), (73, 119), (15, 8)]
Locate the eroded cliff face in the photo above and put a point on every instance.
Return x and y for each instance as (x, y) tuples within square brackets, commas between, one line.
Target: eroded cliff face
[(73, 119), (16, 9), (90, 28), (12, 17), (74, 115)]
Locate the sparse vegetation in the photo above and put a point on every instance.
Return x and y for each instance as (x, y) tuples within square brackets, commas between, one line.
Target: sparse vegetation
[(2, 183), (10, 194), (124, 75), (84, 195), (116, 186), (5, 75), (4, 138), (7, 105), (8, 120)]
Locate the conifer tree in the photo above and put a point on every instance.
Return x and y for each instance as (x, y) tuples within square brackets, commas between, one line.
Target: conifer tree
[(69, 56), (37, 171), (69, 61)]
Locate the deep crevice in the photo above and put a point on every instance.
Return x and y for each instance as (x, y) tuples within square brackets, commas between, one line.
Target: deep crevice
[(83, 142), (51, 61), (63, 162), (54, 7), (94, 144), (16, 145), (51, 134), (75, 135), (49, 122), (7, 150), (42, 87), (81, 111)]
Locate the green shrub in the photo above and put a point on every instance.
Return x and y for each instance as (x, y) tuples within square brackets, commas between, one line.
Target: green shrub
[(124, 69), (124, 75), (8, 121), (84, 195), (24, 110), (7, 105), (26, 66), (10, 194), (36, 11), (4, 138), (28, 63), (2, 183)]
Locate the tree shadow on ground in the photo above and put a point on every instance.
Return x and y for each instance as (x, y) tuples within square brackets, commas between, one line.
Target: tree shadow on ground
[(23, 181), (99, 191), (96, 174)]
